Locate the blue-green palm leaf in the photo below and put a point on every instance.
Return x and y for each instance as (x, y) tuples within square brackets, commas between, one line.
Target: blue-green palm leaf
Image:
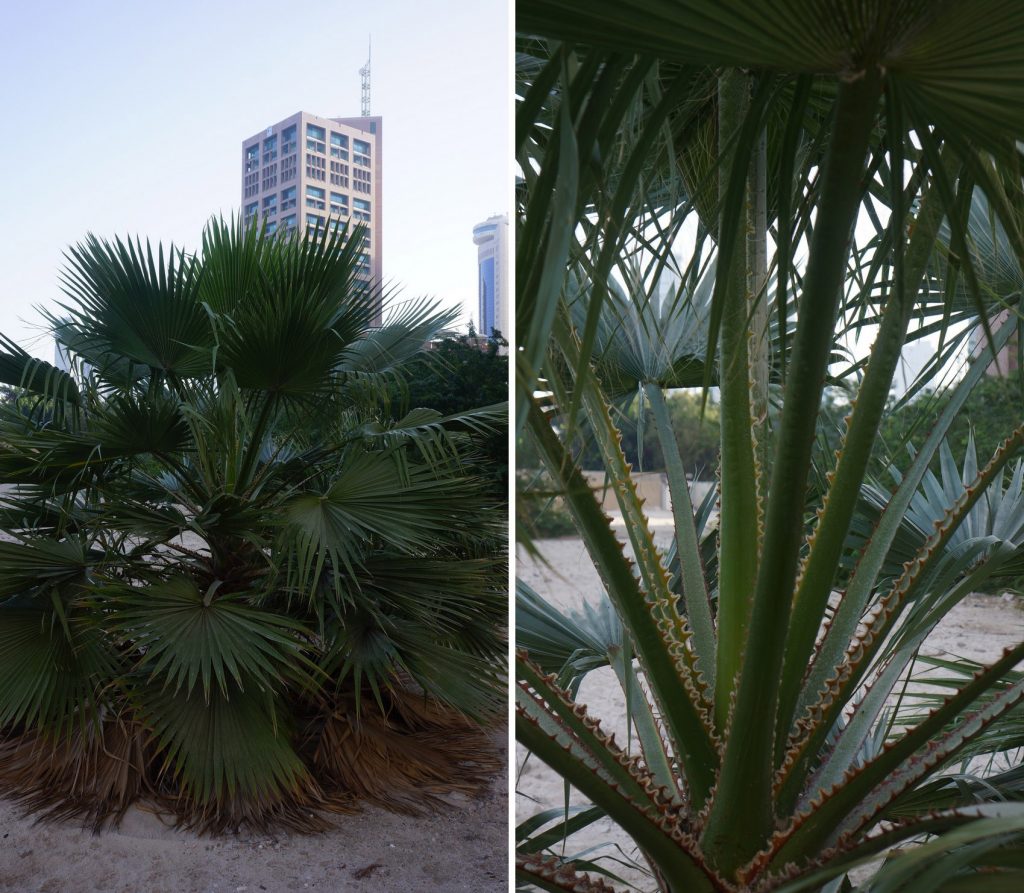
[(185, 637)]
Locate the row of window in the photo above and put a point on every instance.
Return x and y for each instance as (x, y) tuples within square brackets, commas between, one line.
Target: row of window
[(316, 198), (315, 223), (289, 172), (316, 141), (312, 161), (272, 226)]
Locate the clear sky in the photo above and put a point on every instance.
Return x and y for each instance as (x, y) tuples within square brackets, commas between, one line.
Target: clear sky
[(128, 118)]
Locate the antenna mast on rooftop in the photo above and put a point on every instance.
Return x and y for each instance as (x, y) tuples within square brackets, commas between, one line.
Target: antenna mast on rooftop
[(365, 72)]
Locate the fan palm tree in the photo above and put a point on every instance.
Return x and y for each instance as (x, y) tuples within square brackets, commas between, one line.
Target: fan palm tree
[(230, 583), (637, 117)]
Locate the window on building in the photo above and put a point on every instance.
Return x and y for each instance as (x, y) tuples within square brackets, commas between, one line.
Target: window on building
[(362, 181), (271, 227), (252, 157), (339, 203), (339, 146), (361, 152), (288, 198), (316, 138), (315, 168), (270, 148), (315, 221), (362, 209), (288, 140), (315, 197), (250, 210), (287, 222), (270, 204), (270, 176)]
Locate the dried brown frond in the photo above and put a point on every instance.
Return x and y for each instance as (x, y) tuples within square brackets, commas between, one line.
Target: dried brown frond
[(301, 811), (405, 759), (92, 774)]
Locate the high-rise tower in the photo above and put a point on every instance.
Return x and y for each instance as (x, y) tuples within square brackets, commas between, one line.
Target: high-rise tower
[(308, 172), (491, 239)]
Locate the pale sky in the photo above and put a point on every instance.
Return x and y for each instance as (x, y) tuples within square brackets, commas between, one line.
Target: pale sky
[(128, 119)]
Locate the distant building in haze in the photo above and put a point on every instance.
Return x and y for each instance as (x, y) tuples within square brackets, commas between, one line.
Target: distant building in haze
[(491, 239), (1006, 360), (307, 172)]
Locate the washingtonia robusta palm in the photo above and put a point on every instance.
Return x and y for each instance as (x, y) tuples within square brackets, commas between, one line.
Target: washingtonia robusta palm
[(773, 126), (231, 582)]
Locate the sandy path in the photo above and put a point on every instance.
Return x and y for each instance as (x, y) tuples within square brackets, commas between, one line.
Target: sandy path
[(463, 850), (978, 628)]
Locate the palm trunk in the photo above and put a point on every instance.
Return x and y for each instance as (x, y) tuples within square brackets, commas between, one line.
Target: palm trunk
[(741, 817)]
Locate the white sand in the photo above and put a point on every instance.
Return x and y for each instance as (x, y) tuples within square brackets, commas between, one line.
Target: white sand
[(978, 628), (462, 850)]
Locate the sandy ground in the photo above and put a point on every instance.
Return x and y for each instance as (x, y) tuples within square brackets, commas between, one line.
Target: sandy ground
[(978, 628), (462, 850)]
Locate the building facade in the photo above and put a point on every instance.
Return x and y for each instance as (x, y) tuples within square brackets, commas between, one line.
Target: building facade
[(306, 173), (491, 239)]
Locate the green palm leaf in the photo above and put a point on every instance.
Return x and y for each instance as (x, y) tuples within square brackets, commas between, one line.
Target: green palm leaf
[(230, 754), (185, 637), (51, 672)]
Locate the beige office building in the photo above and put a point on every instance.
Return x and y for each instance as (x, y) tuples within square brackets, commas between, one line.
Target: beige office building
[(307, 172)]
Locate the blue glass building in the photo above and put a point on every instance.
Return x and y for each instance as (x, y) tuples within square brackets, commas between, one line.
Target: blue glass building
[(491, 239)]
